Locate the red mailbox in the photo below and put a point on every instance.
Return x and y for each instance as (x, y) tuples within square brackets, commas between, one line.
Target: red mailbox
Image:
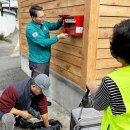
[(73, 25)]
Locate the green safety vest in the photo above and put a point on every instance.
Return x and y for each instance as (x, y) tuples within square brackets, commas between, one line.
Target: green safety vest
[(121, 77)]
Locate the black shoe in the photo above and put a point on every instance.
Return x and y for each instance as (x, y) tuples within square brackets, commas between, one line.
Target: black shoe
[(49, 103)]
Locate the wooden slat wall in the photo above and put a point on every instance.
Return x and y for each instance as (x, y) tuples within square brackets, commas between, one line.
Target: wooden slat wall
[(66, 54), (80, 59), (111, 12)]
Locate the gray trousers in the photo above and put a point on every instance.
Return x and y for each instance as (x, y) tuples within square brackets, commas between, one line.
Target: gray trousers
[(7, 122), (39, 68)]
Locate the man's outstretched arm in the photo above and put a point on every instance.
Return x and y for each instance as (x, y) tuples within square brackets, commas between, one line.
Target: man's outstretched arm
[(21, 113)]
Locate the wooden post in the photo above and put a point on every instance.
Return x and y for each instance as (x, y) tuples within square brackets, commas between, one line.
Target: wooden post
[(89, 41)]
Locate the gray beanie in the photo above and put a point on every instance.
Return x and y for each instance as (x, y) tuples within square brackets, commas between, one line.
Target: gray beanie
[(43, 82)]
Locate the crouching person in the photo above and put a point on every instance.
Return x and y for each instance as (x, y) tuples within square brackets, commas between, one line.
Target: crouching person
[(18, 98)]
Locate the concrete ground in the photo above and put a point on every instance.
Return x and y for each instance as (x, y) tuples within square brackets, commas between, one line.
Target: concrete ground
[(10, 71)]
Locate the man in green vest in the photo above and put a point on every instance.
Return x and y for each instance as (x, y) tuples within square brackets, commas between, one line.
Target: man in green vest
[(113, 94), (39, 41)]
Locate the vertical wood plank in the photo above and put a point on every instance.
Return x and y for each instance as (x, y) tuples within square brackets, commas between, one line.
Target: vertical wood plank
[(90, 41)]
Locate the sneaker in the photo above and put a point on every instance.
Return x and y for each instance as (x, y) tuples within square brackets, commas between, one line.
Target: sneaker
[(49, 103)]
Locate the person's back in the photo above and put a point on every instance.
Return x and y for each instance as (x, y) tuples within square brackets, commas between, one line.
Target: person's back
[(121, 119), (112, 95), (17, 95)]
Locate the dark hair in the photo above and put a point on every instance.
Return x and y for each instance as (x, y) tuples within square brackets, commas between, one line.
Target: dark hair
[(33, 10), (120, 43)]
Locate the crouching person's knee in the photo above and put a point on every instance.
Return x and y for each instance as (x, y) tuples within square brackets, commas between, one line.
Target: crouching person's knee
[(8, 121)]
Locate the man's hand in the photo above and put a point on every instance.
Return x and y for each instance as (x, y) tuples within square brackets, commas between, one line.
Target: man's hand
[(93, 87), (21, 113), (60, 19), (62, 36), (45, 120), (25, 115)]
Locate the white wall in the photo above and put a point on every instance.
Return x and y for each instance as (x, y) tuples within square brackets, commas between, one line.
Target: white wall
[(13, 3), (7, 23)]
